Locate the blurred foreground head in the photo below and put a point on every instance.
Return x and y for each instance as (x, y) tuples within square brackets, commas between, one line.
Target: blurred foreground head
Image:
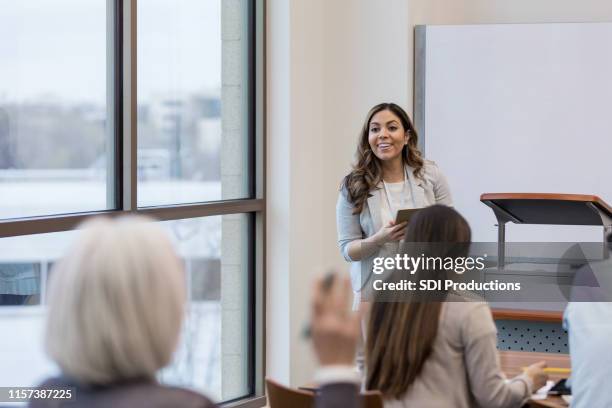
[(116, 302)]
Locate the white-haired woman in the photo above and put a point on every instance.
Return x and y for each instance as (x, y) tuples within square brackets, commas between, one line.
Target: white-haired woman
[(116, 307)]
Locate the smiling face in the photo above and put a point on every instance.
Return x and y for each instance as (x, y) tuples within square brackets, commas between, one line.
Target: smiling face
[(387, 136)]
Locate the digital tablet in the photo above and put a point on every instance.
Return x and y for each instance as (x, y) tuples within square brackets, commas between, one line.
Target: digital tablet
[(560, 388), (405, 215)]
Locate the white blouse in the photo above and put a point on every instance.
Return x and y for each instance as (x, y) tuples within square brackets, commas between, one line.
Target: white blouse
[(397, 198)]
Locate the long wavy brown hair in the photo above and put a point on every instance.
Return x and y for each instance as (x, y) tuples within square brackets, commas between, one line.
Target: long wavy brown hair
[(367, 170), (400, 334)]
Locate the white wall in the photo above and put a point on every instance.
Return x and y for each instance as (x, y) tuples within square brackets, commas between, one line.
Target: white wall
[(502, 11), (328, 63)]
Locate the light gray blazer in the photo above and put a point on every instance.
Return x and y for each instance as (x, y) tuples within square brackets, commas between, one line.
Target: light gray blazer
[(429, 189)]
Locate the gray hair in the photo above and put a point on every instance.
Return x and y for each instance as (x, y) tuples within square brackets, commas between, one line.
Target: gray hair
[(116, 302)]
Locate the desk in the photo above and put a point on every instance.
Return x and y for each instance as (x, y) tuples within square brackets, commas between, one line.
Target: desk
[(550, 402), (513, 361)]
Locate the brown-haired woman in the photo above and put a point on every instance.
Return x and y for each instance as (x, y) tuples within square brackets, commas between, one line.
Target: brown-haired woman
[(389, 174), (440, 354)]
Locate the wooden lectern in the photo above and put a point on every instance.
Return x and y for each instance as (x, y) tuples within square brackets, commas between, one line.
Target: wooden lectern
[(546, 208)]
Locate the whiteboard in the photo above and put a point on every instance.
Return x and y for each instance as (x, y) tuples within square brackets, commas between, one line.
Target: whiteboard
[(517, 108)]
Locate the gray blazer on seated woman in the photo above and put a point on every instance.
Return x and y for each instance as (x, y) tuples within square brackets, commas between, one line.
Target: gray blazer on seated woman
[(389, 175)]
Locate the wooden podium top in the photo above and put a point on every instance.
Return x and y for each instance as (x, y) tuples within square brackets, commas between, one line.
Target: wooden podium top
[(530, 315), (549, 208)]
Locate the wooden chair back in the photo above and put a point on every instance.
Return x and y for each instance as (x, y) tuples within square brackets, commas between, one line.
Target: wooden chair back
[(280, 396), (371, 399)]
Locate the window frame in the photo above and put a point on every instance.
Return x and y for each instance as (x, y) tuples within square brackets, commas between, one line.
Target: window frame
[(122, 175)]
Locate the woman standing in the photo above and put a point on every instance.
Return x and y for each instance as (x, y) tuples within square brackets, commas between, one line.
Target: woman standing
[(389, 174)]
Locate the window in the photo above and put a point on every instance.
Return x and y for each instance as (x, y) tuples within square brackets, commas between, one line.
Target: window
[(213, 349), (25, 264), (150, 107), (192, 101), (55, 130)]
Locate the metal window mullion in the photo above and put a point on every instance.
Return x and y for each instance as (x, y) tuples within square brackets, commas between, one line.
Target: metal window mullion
[(112, 115), (259, 98), (177, 212), (67, 222), (129, 169), (257, 86)]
